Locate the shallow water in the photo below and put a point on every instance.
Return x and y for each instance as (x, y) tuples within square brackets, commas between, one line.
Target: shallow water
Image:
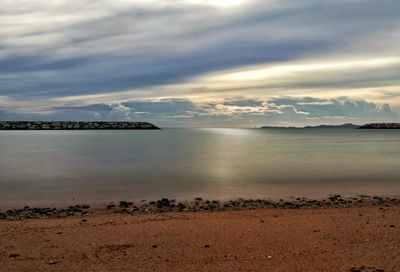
[(96, 166)]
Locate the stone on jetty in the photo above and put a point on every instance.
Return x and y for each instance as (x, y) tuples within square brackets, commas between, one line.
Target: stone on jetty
[(381, 126), (69, 125)]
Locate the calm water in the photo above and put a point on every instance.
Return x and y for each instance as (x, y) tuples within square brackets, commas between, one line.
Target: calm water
[(67, 166)]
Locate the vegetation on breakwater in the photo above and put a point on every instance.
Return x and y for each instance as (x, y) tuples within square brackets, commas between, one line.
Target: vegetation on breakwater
[(70, 125)]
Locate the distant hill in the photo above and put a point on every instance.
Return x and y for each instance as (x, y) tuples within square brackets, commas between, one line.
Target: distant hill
[(277, 127), (348, 125), (381, 126)]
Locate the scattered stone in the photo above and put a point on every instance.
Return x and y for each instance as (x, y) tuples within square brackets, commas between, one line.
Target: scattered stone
[(164, 202), (14, 254), (51, 262), (207, 246), (154, 246), (125, 204), (110, 206), (198, 204)]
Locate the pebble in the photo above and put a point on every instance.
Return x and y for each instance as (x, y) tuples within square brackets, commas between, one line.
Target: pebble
[(51, 262), (14, 254), (110, 206)]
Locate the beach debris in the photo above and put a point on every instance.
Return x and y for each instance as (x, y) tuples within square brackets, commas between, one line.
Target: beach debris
[(110, 206), (14, 254), (366, 269), (163, 202), (125, 204)]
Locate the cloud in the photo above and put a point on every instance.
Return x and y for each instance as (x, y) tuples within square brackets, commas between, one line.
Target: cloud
[(81, 47), (126, 59)]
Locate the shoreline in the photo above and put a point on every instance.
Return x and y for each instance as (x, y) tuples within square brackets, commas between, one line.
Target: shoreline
[(165, 205)]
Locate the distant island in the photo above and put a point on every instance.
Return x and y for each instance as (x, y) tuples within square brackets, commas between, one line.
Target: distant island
[(348, 125), (70, 125), (381, 126)]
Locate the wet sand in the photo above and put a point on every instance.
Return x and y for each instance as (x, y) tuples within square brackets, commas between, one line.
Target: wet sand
[(357, 238)]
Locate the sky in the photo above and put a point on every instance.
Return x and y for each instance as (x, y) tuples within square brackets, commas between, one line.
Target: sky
[(201, 63)]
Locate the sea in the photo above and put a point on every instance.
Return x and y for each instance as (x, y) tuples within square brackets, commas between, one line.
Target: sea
[(99, 166)]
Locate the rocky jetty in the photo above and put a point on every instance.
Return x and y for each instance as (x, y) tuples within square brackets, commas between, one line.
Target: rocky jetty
[(381, 126), (69, 125), (198, 205), (348, 125)]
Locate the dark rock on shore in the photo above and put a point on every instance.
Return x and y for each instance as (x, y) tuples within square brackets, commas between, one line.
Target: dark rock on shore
[(125, 204), (14, 254), (70, 125), (164, 202)]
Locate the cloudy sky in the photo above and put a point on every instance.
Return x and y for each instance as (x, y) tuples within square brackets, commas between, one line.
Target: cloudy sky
[(226, 63)]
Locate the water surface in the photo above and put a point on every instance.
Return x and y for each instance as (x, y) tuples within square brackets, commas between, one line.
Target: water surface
[(96, 166)]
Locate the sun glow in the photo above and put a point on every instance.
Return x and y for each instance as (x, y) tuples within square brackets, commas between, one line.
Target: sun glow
[(258, 73)]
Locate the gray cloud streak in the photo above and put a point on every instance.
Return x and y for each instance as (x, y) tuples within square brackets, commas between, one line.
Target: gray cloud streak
[(53, 50)]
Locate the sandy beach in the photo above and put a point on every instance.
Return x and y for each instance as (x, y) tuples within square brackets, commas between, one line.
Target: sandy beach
[(354, 238)]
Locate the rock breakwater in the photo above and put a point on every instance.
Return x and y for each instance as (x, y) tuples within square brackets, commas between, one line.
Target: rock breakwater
[(70, 125), (381, 126)]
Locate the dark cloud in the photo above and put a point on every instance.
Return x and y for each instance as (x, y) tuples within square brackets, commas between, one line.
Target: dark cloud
[(139, 46)]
